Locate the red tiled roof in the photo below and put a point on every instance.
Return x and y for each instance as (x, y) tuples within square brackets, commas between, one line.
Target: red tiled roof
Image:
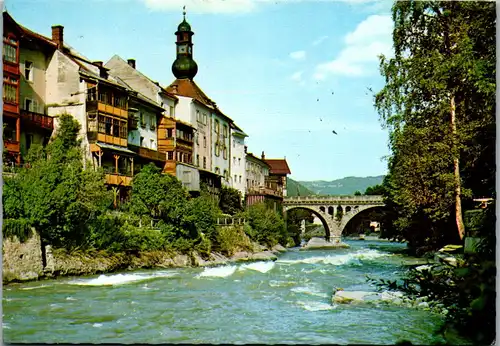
[(278, 166), (188, 88)]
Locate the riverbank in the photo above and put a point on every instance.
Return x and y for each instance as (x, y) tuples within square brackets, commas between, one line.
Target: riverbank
[(22, 262)]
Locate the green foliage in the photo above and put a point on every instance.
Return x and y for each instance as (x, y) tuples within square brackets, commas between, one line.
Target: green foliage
[(375, 190), (230, 200), (294, 219), (55, 195), (357, 193), (294, 188), (19, 228), (267, 226), (231, 239), (201, 217), (442, 52)]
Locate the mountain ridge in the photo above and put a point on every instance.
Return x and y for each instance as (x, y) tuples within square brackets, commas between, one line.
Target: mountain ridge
[(344, 186)]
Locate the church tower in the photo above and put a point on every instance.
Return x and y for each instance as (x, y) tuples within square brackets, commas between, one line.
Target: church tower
[(184, 66)]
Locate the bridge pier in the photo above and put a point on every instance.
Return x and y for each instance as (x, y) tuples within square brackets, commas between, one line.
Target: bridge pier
[(335, 239)]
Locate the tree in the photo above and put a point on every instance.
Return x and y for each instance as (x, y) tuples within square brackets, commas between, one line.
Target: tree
[(230, 200), (55, 195), (159, 196), (357, 193), (442, 71), (374, 190)]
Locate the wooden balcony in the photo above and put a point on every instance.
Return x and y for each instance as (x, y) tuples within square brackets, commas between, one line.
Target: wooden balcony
[(261, 190), (105, 108), (11, 145), (149, 153), (101, 137), (11, 67), (118, 179), (40, 120), (10, 109)]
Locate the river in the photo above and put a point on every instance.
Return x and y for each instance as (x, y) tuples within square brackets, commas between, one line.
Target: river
[(287, 301)]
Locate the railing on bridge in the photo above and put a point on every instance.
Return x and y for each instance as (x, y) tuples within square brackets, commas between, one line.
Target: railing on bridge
[(229, 221), (330, 198)]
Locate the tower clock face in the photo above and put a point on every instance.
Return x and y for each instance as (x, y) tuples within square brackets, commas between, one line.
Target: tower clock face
[(182, 49)]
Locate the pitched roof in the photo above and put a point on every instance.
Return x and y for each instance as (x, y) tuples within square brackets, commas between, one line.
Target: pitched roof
[(278, 166), (188, 88), (250, 155), (142, 75)]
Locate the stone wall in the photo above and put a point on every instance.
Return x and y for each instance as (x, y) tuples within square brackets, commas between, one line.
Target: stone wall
[(22, 261)]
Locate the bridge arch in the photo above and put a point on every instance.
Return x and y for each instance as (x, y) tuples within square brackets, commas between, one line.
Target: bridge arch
[(353, 215), (316, 213), (344, 209)]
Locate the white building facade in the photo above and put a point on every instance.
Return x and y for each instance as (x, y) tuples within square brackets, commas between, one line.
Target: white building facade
[(238, 160)]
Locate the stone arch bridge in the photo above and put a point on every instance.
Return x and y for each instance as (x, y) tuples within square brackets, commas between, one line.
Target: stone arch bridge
[(327, 207)]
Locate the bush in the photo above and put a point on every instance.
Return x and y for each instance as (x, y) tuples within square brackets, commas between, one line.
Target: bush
[(231, 239), (267, 226)]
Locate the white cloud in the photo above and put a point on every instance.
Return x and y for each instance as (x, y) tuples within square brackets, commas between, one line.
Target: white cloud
[(371, 38), (319, 40), (228, 6), (299, 55)]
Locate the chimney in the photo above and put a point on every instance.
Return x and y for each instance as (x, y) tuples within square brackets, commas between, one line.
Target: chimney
[(263, 156), (246, 149), (97, 63), (57, 35), (131, 63), (174, 89)]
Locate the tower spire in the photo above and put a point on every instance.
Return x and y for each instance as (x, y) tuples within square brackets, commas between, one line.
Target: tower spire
[(184, 12)]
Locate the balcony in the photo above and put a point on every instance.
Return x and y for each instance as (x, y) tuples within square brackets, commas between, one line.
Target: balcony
[(11, 145), (11, 67), (105, 108), (40, 120), (261, 190), (118, 179), (149, 153)]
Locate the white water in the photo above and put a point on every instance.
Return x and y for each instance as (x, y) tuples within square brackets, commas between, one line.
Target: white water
[(315, 306), (262, 267), (220, 272), (350, 258), (120, 279), (312, 291)]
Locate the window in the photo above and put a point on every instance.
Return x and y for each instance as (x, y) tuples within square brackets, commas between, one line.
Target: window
[(240, 178), (123, 129), (198, 160), (198, 116), (10, 89), (172, 111), (239, 161), (225, 132), (217, 128), (204, 162), (28, 70), (217, 148), (10, 50), (102, 124), (204, 141), (116, 128), (170, 155), (109, 125), (142, 141), (169, 133), (234, 143), (224, 150), (205, 118), (217, 170), (152, 143), (235, 178), (28, 104)]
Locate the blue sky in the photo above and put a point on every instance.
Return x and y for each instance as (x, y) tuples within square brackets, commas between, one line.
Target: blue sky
[(287, 72)]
